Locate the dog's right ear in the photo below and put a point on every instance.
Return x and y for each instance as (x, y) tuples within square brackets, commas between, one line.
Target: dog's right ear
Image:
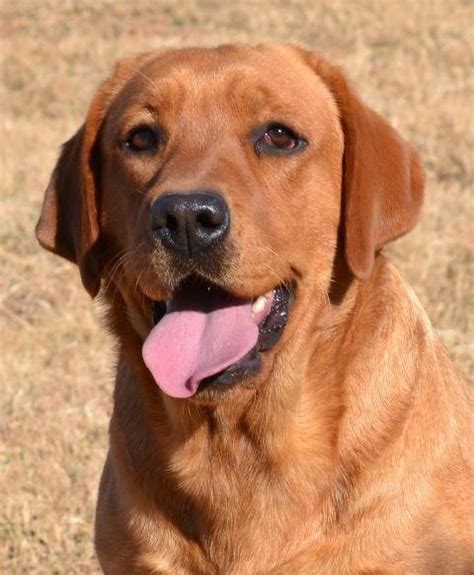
[(69, 225)]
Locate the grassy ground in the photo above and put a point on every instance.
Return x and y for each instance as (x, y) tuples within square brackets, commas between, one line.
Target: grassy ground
[(411, 60)]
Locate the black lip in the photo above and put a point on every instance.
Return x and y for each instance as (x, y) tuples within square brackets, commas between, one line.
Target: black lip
[(270, 331), (158, 310), (249, 365), (272, 327)]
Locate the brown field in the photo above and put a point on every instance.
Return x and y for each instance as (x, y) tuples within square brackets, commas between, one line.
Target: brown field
[(411, 60)]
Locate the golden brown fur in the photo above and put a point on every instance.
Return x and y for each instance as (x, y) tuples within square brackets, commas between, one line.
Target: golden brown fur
[(350, 451)]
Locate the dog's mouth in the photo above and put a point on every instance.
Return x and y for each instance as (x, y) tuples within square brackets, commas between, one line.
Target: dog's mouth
[(206, 337)]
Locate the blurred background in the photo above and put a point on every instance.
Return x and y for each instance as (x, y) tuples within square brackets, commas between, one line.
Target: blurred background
[(411, 61)]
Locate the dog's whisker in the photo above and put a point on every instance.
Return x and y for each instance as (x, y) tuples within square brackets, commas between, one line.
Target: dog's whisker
[(122, 258), (110, 274), (113, 269)]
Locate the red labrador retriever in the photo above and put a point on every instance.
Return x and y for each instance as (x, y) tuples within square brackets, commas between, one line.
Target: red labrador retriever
[(282, 404)]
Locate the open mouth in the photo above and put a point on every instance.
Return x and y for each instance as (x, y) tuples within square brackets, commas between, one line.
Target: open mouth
[(205, 337)]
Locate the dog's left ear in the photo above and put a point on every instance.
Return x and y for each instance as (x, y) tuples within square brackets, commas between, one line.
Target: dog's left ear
[(382, 175)]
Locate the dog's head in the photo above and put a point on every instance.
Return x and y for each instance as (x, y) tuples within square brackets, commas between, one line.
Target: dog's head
[(213, 189)]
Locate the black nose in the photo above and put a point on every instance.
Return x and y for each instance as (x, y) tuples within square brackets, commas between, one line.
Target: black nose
[(190, 224)]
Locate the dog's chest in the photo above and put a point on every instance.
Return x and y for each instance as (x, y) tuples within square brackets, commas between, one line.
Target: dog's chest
[(239, 510)]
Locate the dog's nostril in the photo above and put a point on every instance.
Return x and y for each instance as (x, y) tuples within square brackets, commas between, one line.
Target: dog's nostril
[(209, 219)]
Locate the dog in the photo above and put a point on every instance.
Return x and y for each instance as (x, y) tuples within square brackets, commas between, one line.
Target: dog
[(282, 403)]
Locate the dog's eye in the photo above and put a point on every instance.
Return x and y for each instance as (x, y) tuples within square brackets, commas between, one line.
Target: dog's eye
[(142, 139), (278, 139)]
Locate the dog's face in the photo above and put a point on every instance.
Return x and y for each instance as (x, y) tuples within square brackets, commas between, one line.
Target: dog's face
[(207, 186), (228, 124)]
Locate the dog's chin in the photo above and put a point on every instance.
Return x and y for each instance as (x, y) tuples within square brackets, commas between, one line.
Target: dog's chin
[(271, 311)]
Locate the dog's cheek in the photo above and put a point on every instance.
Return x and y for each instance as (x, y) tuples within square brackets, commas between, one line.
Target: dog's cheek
[(312, 221), (289, 227)]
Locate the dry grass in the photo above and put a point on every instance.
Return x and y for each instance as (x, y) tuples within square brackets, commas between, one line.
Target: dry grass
[(411, 60)]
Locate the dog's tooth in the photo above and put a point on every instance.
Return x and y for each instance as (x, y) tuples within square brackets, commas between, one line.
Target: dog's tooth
[(259, 304)]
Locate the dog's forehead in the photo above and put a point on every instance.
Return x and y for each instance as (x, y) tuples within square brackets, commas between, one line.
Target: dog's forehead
[(238, 78)]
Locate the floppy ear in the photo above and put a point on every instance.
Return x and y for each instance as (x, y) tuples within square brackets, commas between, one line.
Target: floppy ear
[(382, 175), (68, 225), (69, 222)]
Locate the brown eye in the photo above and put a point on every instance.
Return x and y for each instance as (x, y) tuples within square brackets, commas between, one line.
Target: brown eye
[(142, 139), (278, 139)]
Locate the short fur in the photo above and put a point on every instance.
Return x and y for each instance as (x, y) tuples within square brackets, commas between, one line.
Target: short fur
[(350, 451)]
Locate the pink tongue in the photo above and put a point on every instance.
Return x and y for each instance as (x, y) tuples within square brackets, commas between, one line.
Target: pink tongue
[(203, 333)]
